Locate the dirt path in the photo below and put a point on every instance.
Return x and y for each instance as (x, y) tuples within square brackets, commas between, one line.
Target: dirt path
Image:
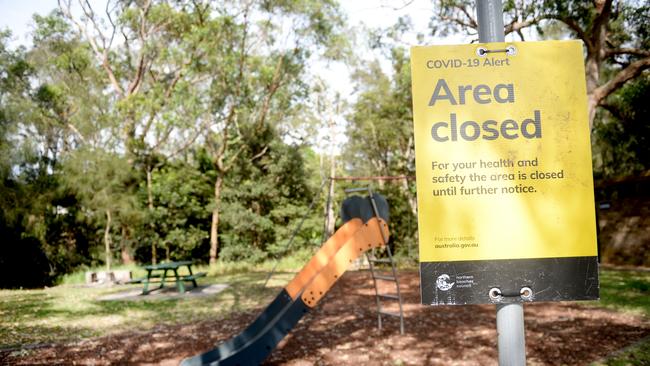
[(343, 331)]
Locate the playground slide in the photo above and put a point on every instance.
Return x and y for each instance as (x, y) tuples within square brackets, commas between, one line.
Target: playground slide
[(257, 341), (284, 298)]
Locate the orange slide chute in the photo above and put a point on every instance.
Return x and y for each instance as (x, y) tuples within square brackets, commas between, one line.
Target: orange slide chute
[(322, 257), (372, 234)]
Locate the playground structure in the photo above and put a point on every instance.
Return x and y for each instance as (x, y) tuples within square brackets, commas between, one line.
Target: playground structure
[(365, 228)]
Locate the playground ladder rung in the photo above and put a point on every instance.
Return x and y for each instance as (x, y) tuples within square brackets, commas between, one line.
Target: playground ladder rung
[(385, 278), (392, 278), (397, 315), (382, 260)]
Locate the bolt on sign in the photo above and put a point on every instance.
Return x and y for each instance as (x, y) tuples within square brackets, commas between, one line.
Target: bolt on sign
[(504, 179)]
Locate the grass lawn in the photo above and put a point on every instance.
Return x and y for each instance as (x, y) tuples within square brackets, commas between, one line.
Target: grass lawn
[(72, 311), (637, 355), (627, 291)]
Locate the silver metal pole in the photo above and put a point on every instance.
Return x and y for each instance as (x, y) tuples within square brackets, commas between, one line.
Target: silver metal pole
[(510, 317), (489, 14), (510, 331)]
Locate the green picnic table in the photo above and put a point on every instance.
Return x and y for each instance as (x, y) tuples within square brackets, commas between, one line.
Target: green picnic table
[(159, 273)]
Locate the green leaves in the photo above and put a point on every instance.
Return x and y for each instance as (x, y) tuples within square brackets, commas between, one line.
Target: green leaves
[(380, 143), (180, 220), (115, 128), (621, 138)]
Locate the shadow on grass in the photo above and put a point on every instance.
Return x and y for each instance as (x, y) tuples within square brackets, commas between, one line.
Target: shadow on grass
[(67, 313), (625, 290)]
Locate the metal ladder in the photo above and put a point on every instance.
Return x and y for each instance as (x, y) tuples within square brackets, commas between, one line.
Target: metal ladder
[(372, 260)]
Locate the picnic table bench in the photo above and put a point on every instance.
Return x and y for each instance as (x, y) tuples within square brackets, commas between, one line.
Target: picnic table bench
[(159, 273)]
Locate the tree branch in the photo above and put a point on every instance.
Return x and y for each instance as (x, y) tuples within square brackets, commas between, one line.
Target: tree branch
[(473, 23), (149, 123), (521, 35), (233, 159), (457, 21), (579, 31), (102, 54), (630, 72), (393, 8), (163, 139), (190, 141), (261, 153), (518, 26), (626, 51), (135, 84), (604, 9), (614, 110), (273, 87)]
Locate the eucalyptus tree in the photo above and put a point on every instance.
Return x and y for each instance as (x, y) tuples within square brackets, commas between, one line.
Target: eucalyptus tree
[(615, 35), (257, 64), (37, 112), (182, 191), (71, 112), (622, 142), (14, 87), (14, 84), (380, 141), (39, 128), (324, 120), (97, 177), (380, 129), (150, 53)]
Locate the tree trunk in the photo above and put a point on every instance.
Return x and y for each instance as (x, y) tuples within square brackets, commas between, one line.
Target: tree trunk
[(329, 227), (154, 258), (214, 227), (107, 240), (592, 105), (125, 249), (592, 74), (410, 197)]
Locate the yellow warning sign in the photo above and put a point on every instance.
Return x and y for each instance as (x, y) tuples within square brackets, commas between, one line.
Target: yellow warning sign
[(503, 156)]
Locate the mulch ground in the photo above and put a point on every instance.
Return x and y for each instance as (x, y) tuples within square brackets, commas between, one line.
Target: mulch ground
[(343, 331)]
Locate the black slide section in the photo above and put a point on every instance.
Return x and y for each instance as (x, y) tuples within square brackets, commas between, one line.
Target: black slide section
[(277, 306), (260, 345), (361, 207)]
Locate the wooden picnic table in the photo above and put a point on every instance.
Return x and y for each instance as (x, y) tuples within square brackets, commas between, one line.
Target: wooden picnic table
[(169, 270)]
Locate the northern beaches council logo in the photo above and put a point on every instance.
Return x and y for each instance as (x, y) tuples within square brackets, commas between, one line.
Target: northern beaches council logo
[(443, 283)]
